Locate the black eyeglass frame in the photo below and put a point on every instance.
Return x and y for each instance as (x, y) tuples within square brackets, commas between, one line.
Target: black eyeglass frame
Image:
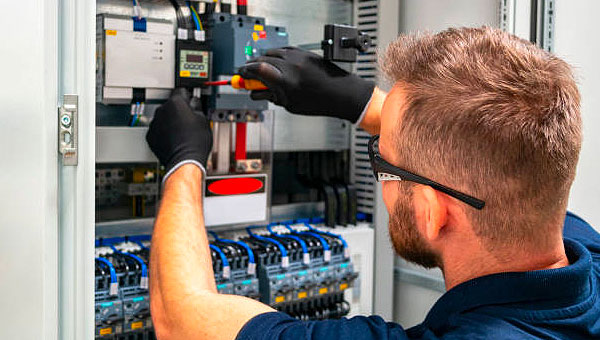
[(384, 171)]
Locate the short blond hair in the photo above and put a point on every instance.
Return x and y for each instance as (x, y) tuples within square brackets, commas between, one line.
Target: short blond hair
[(493, 116)]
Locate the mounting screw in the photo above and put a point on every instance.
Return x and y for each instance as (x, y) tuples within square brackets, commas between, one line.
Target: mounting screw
[(65, 120)]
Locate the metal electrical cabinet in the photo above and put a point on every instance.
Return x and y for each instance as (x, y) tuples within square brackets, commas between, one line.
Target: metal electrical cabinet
[(73, 91)]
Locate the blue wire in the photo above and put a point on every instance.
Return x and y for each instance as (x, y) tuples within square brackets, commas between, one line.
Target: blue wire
[(319, 237), (240, 243), (193, 16), (135, 117), (111, 268), (301, 241), (262, 238), (339, 237), (221, 254), (135, 257)]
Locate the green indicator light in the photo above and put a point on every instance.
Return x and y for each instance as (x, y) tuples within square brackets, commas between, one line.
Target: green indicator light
[(248, 50), (221, 286), (246, 282), (138, 299), (107, 304)]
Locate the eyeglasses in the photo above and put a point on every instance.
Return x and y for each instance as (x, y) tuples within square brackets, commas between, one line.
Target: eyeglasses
[(385, 171)]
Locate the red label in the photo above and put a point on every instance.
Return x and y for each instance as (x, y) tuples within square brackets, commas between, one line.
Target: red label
[(235, 186), (262, 35), (202, 74)]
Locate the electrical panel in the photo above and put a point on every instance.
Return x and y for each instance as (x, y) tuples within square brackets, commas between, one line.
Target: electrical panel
[(289, 233)]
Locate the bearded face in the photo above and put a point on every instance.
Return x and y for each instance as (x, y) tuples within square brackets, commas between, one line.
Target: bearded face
[(406, 239)]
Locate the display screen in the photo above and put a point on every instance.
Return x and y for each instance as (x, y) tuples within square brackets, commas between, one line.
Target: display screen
[(194, 58)]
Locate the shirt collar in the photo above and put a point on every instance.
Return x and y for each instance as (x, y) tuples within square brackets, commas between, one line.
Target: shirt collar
[(541, 287)]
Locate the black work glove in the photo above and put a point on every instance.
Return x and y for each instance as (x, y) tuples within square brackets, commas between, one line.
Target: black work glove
[(305, 83), (177, 135)]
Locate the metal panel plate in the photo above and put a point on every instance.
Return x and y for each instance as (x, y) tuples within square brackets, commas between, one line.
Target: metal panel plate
[(122, 145), (302, 133)]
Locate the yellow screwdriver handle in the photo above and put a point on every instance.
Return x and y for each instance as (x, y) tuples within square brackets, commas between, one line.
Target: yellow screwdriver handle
[(237, 82)]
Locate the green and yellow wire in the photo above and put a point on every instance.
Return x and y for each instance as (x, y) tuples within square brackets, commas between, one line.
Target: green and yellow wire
[(197, 17)]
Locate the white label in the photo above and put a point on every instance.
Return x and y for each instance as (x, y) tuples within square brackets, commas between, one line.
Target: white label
[(144, 282), (251, 268), (182, 34), (199, 35), (306, 258), (285, 262), (327, 255), (114, 288), (226, 272), (347, 253)]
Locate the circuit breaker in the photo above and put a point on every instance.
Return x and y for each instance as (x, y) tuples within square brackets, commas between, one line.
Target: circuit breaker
[(236, 39)]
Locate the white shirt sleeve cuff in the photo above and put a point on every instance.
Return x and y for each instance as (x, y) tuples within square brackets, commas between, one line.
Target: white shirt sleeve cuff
[(182, 163)]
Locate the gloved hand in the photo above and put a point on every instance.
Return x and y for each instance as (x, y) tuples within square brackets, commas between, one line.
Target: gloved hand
[(179, 136), (305, 83)]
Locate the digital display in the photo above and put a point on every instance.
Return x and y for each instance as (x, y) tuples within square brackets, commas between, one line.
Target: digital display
[(194, 58)]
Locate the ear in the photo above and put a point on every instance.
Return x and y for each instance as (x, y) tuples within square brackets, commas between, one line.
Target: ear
[(433, 210)]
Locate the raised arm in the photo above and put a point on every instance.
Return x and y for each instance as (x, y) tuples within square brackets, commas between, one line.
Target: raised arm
[(184, 300), (371, 119), (304, 83)]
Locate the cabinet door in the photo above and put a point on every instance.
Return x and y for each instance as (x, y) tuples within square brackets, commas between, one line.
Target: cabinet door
[(28, 168), (76, 61)]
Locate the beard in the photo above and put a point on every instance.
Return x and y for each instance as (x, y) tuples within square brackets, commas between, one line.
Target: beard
[(406, 239)]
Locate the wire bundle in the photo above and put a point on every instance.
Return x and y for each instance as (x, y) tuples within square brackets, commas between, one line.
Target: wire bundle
[(226, 267), (251, 260), (137, 9), (339, 237), (144, 278), (285, 260), (114, 284), (195, 16), (137, 110), (306, 254), (326, 250), (183, 21)]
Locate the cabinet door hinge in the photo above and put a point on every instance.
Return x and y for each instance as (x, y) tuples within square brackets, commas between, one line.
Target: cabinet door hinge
[(67, 129)]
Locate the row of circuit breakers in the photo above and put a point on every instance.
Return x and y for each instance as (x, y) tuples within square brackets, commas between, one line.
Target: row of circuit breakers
[(296, 267)]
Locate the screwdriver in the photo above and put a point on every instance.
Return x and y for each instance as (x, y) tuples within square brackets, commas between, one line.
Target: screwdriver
[(237, 82)]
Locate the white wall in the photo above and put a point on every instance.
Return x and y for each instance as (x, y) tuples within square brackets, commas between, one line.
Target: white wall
[(576, 41), (412, 302), (437, 15), (28, 184)]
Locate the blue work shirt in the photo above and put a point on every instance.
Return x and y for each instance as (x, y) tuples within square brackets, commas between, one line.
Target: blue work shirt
[(558, 303)]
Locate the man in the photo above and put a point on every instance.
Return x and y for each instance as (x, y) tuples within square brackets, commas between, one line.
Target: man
[(483, 128)]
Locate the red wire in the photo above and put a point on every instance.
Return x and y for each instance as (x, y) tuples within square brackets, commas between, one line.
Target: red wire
[(217, 83)]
